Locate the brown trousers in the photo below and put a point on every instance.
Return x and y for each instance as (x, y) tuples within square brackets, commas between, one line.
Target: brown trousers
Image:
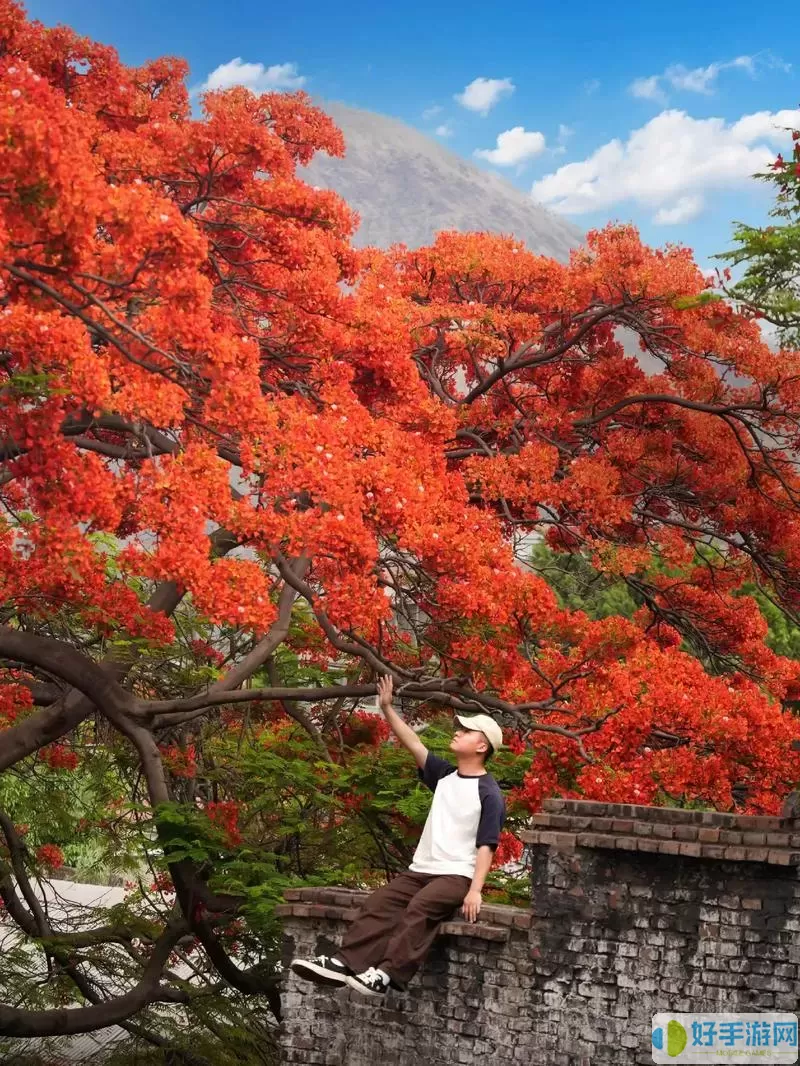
[(397, 923)]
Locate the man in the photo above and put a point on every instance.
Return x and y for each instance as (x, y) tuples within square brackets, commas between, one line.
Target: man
[(393, 931)]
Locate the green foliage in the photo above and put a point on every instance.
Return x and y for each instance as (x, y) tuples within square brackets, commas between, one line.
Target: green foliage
[(30, 386), (581, 587), (685, 303), (71, 810), (770, 255), (784, 635)]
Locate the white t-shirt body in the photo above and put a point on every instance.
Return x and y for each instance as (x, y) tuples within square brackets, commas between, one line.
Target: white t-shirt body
[(467, 812)]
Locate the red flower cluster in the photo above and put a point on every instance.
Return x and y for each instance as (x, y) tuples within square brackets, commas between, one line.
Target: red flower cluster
[(59, 757), (509, 849), (50, 856), (225, 815), (162, 883), (201, 649), (14, 699), (182, 762), (365, 727)]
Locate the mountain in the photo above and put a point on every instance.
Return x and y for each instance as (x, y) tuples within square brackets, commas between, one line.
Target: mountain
[(406, 187)]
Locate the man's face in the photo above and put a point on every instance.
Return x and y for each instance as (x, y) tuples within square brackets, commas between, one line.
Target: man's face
[(468, 741)]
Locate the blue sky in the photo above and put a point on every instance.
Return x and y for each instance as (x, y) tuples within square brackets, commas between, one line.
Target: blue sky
[(647, 113)]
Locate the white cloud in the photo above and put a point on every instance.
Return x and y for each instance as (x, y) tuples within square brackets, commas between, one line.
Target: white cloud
[(701, 79), (513, 146), (564, 134), (590, 87), (432, 112), (647, 88), (482, 94), (693, 80), (445, 130), (666, 165), (254, 76), (684, 210)]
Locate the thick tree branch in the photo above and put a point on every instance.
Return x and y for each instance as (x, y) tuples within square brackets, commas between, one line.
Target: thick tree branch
[(17, 1022)]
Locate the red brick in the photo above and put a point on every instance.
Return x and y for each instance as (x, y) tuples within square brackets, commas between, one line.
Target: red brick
[(479, 930), (716, 818), (562, 821), (764, 822), (778, 858), (522, 921), (707, 835), (601, 825), (686, 832), (754, 840), (669, 847), (691, 848), (756, 854), (777, 840), (664, 832), (319, 910), (751, 904), (730, 836), (302, 910), (648, 844), (542, 819), (736, 854), (712, 851), (558, 840), (292, 893), (626, 843), (622, 825), (596, 840)]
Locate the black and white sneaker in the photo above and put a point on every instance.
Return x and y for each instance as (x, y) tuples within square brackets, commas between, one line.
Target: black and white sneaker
[(371, 982), (322, 970)]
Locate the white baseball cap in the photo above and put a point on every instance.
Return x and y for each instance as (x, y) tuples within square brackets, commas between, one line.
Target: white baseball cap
[(484, 724)]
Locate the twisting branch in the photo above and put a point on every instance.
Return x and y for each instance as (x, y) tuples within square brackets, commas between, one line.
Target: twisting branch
[(17, 1022)]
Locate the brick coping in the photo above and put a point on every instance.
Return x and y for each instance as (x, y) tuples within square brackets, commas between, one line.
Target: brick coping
[(671, 815), (567, 824), (341, 904)]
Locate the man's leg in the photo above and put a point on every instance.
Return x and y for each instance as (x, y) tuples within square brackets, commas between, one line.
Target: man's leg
[(417, 927), (365, 942)]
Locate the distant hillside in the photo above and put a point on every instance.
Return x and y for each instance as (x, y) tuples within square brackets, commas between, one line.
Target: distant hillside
[(406, 187)]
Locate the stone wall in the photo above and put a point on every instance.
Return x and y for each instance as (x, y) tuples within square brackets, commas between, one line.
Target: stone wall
[(633, 910)]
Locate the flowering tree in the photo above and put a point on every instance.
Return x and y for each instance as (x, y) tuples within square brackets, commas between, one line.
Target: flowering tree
[(245, 469)]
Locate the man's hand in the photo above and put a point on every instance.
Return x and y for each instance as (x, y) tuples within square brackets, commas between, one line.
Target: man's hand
[(385, 689), (471, 907)]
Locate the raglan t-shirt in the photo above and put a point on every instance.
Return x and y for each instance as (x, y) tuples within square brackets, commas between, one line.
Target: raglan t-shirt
[(467, 812)]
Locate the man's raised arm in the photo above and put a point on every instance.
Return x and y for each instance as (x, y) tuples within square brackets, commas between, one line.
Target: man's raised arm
[(404, 733)]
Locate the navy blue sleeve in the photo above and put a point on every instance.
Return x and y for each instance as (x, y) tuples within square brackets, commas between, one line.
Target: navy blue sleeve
[(434, 770), (493, 813)]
